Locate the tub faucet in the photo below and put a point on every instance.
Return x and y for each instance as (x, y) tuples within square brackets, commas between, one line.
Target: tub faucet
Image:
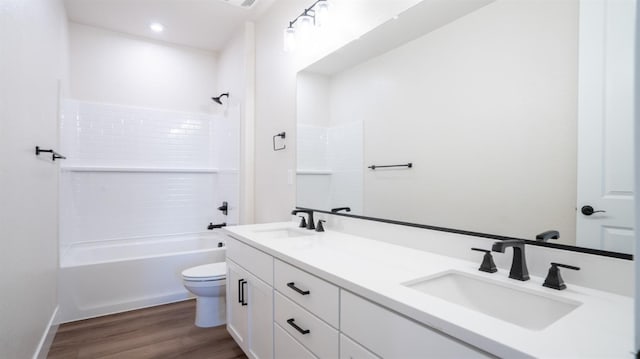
[(214, 226), (310, 224), (519, 264), (338, 209)]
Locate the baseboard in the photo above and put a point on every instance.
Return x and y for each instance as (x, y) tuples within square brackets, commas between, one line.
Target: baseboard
[(75, 314), (47, 337)]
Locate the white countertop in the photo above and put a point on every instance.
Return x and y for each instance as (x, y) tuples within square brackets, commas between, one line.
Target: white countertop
[(602, 327)]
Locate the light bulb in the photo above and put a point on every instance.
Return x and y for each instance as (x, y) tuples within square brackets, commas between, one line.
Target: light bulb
[(321, 12), (304, 25), (156, 27), (289, 39)]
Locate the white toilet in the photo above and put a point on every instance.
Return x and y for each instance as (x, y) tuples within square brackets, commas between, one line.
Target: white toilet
[(207, 283)]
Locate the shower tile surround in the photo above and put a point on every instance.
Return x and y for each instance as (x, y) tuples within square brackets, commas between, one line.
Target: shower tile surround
[(330, 161), (110, 135), (191, 158)]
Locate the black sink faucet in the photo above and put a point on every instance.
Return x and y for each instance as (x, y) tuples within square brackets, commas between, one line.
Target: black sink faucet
[(310, 224), (546, 236), (519, 264)]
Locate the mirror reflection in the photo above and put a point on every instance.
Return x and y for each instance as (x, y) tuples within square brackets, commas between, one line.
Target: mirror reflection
[(515, 115)]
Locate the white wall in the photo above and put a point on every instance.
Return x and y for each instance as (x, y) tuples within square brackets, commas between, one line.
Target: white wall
[(485, 108), (637, 182), (33, 44), (276, 89), (115, 68)]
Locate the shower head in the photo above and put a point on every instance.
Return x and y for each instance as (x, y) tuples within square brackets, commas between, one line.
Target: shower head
[(219, 98)]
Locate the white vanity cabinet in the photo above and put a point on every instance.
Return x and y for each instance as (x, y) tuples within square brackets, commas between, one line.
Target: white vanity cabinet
[(330, 322), (287, 347), (312, 293), (352, 350), (237, 314), (250, 299), (391, 335), (307, 308), (277, 310)]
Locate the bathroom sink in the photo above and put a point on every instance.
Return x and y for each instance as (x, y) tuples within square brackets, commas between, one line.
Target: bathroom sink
[(525, 308), (283, 233)]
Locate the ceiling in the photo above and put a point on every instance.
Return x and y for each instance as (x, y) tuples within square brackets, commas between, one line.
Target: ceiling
[(205, 24)]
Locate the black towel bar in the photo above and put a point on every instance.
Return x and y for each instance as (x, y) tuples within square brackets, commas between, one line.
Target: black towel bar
[(54, 155), (408, 165)]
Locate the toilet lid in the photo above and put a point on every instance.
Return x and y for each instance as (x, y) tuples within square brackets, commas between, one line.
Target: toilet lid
[(213, 271)]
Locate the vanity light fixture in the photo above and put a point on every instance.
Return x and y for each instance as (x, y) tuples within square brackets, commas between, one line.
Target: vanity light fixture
[(299, 29)]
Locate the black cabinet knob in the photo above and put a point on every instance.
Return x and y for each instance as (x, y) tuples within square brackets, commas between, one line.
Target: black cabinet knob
[(588, 210)]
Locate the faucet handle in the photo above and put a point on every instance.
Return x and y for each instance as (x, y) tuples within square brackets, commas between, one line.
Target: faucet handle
[(554, 279), (488, 265), (320, 227), (303, 222)]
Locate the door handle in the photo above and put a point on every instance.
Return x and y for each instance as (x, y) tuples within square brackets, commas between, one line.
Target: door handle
[(588, 210), (242, 290)]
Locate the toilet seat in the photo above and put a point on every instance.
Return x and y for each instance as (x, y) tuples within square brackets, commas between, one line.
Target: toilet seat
[(206, 272)]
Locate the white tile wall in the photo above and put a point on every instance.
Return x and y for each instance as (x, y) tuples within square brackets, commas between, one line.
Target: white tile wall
[(314, 191), (312, 147), (110, 135), (346, 146), (338, 150), (119, 204), (110, 205), (346, 160)]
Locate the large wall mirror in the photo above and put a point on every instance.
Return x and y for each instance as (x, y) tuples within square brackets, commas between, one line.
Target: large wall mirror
[(516, 117)]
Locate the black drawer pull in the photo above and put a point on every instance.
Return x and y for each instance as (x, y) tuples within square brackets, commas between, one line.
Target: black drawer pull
[(240, 300), (302, 331), (242, 289), (293, 286)]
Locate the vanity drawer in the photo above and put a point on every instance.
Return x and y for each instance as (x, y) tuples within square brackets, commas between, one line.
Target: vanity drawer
[(391, 335), (257, 262), (288, 348), (323, 298), (352, 350), (321, 340)]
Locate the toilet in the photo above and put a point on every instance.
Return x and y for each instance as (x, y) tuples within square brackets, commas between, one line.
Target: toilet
[(207, 283)]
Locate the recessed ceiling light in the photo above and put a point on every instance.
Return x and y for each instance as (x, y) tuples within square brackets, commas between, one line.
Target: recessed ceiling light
[(156, 27)]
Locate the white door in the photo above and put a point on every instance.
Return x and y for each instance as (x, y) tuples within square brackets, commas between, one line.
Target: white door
[(605, 125), (237, 311), (260, 298)]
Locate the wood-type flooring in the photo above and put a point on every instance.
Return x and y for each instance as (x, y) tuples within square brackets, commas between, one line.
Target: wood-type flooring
[(165, 331)]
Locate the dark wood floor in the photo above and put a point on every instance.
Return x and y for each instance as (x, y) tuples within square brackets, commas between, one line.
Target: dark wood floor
[(165, 331)]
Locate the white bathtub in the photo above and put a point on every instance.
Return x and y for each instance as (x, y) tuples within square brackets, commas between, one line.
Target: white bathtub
[(107, 277)]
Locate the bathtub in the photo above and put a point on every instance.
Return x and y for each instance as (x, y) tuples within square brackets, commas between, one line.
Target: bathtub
[(106, 277)]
